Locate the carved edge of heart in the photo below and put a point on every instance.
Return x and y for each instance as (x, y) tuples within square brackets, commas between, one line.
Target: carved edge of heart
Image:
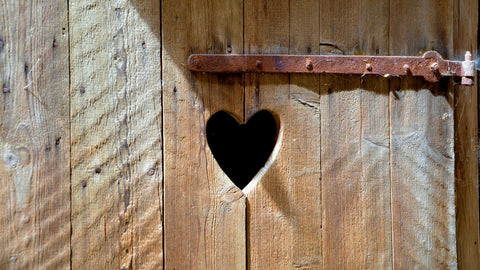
[(232, 142)]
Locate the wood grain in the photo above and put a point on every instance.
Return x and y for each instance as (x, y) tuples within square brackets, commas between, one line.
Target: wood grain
[(422, 157), (355, 141), (284, 208), (116, 123), (204, 210), (34, 135), (465, 25)]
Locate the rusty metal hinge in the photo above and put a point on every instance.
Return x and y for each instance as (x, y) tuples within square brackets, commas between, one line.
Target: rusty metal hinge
[(431, 66)]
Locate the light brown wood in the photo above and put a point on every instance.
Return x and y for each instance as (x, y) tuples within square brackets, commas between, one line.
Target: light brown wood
[(34, 136), (104, 161), (466, 138), (204, 210), (116, 123), (422, 158), (355, 141), (284, 208)]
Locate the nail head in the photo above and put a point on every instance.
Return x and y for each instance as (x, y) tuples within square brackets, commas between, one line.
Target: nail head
[(309, 65)]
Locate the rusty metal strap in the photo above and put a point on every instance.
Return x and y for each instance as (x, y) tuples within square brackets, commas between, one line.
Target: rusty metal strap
[(431, 66)]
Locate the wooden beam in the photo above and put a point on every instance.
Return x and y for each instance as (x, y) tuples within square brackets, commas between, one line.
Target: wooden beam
[(204, 210), (466, 141), (355, 141), (284, 209), (34, 135), (116, 122), (422, 138)]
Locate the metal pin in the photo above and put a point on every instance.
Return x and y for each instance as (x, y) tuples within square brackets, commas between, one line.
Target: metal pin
[(468, 56), (468, 69)]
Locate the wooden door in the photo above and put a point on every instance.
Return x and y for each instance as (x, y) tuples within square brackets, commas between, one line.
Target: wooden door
[(363, 173), (106, 161)]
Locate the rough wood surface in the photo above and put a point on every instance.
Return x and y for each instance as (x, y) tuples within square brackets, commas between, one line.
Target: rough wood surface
[(116, 114), (284, 208), (355, 142), (422, 157), (34, 136), (110, 168), (466, 126), (204, 210)]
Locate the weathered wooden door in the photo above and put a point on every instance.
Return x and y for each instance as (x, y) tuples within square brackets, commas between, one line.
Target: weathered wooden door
[(106, 161), (363, 172)]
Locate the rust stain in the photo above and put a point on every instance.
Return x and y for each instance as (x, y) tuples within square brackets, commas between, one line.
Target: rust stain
[(431, 66)]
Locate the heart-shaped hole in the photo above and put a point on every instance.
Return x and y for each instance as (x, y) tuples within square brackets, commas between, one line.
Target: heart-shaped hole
[(242, 150)]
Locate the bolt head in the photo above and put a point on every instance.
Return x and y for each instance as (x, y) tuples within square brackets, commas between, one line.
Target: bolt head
[(309, 65), (196, 63), (435, 66)]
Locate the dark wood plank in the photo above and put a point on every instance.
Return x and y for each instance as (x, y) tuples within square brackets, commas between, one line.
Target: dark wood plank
[(466, 138)]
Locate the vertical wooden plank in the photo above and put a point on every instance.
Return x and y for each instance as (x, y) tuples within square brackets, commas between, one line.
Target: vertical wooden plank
[(284, 207), (34, 135), (355, 141), (422, 158), (466, 138), (204, 211), (116, 116)]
